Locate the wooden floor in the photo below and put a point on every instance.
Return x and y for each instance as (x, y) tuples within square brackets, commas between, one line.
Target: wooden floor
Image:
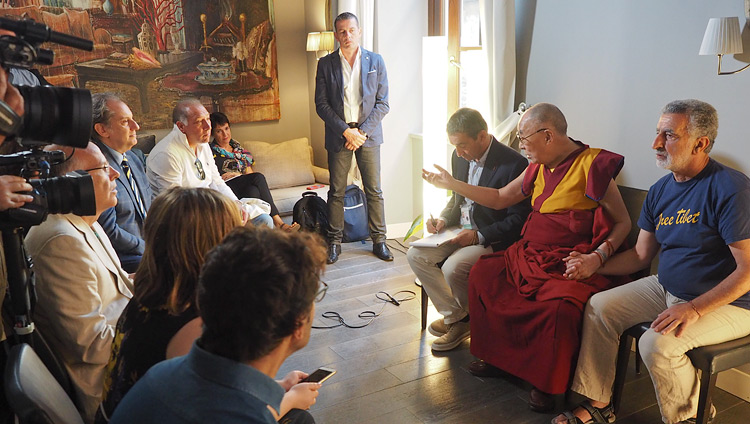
[(386, 372)]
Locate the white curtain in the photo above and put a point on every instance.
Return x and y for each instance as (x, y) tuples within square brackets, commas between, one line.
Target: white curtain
[(365, 11), (497, 24)]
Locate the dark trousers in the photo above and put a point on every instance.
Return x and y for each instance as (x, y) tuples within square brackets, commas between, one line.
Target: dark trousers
[(253, 185), (297, 416), (368, 162)]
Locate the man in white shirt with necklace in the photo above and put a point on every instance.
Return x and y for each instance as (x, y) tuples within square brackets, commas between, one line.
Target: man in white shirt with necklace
[(183, 157)]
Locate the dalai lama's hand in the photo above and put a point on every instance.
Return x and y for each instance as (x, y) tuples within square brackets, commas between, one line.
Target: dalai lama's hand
[(441, 179), (579, 266)]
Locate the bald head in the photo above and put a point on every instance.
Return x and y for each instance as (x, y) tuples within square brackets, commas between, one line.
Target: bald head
[(547, 115), (74, 158), (184, 108)]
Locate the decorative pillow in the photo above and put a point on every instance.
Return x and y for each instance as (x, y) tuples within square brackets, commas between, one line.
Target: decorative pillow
[(16, 13), (57, 23), (284, 164), (80, 25)]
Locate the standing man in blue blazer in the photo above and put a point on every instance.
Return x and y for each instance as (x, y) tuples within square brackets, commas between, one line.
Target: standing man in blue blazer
[(351, 96), (115, 133)]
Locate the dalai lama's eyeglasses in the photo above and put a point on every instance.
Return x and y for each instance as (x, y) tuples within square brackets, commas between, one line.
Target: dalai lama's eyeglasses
[(199, 166), (524, 140)]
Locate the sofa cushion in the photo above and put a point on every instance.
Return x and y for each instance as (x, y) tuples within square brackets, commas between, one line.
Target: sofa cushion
[(57, 23), (284, 164), (16, 13), (80, 25)]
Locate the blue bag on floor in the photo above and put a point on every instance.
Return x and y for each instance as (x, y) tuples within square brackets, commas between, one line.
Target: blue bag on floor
[(355, 215)]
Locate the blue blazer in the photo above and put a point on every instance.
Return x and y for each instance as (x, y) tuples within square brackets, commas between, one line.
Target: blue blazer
[(500, 228), (329, 98), (124, 222)]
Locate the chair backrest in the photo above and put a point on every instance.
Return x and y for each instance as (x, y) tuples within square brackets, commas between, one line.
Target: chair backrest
[(634, 198), (54, 365), (33, 393)]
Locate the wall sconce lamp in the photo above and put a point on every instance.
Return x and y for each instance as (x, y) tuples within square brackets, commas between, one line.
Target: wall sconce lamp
[(320, 42), (722, 37)]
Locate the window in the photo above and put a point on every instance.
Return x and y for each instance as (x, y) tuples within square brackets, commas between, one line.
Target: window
[(467, 79)]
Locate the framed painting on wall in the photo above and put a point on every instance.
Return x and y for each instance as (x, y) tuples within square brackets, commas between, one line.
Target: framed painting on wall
[(154, 52)]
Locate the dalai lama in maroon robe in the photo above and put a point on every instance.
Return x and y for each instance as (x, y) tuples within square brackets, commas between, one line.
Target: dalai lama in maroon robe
[(525, 310)]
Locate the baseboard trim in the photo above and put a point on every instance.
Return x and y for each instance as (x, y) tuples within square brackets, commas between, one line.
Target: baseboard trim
[(735, 382), (398, 230)]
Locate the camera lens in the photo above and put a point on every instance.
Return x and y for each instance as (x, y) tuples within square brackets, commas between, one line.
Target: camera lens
[(73, 193), (59, 115)]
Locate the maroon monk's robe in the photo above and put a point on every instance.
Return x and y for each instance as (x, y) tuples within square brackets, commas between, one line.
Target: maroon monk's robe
[(525, 316)]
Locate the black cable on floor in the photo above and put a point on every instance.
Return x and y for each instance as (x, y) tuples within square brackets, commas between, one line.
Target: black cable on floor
[(368, 315)]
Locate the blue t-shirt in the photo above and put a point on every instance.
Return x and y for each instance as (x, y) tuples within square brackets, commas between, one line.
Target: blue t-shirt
[(694, 222), (200, 387)]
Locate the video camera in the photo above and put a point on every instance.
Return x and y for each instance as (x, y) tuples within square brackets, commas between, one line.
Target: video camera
[(52, 115)]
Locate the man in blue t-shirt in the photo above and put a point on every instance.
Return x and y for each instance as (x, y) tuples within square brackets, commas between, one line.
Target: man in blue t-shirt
[(697, 216), (256, 294)]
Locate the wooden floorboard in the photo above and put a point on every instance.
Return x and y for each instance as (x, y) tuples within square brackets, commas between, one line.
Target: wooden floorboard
[(386, 372)]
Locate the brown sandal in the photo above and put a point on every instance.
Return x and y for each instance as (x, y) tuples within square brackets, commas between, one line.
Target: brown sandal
[(604, 415)]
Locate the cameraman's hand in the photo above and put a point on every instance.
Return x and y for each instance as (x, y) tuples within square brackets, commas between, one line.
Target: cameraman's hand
[(11, 96), (10, 188)]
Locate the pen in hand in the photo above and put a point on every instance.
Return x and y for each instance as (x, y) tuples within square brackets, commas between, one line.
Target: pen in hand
[(433, 221)]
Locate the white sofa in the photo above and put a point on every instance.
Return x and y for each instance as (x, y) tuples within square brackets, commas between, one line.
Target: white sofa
[(289, 171)]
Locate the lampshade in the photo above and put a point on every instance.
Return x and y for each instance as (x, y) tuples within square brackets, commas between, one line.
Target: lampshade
[(722, 37), (313, 41), (326, 41)]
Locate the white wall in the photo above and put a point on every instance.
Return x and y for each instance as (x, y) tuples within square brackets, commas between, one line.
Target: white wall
[(611, 66), (401, 25)]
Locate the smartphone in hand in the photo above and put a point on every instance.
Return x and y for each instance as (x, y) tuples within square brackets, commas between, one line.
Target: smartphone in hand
[(320, 375)]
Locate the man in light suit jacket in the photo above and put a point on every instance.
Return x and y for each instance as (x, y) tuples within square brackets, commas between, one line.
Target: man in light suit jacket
[(114, 132), (351, 96), (479, 160), (80, 285)]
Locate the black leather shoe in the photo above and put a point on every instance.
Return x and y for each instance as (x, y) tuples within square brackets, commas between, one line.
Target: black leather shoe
[(540, 401), (334, 250), (381, 251), (480, 368)]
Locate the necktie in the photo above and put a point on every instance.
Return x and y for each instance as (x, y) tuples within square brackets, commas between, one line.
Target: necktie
[(126, 168)]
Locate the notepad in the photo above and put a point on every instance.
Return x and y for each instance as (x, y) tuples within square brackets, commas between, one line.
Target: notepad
[(436, 240)]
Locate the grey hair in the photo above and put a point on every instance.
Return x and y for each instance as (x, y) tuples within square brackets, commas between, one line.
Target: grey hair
[(182, 109), (343, 17), (548, 114), (703, 120), (101, 111), (467, 121)]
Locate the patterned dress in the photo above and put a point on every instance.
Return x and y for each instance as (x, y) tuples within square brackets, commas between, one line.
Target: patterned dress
[(236, 159), (141, 340)]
